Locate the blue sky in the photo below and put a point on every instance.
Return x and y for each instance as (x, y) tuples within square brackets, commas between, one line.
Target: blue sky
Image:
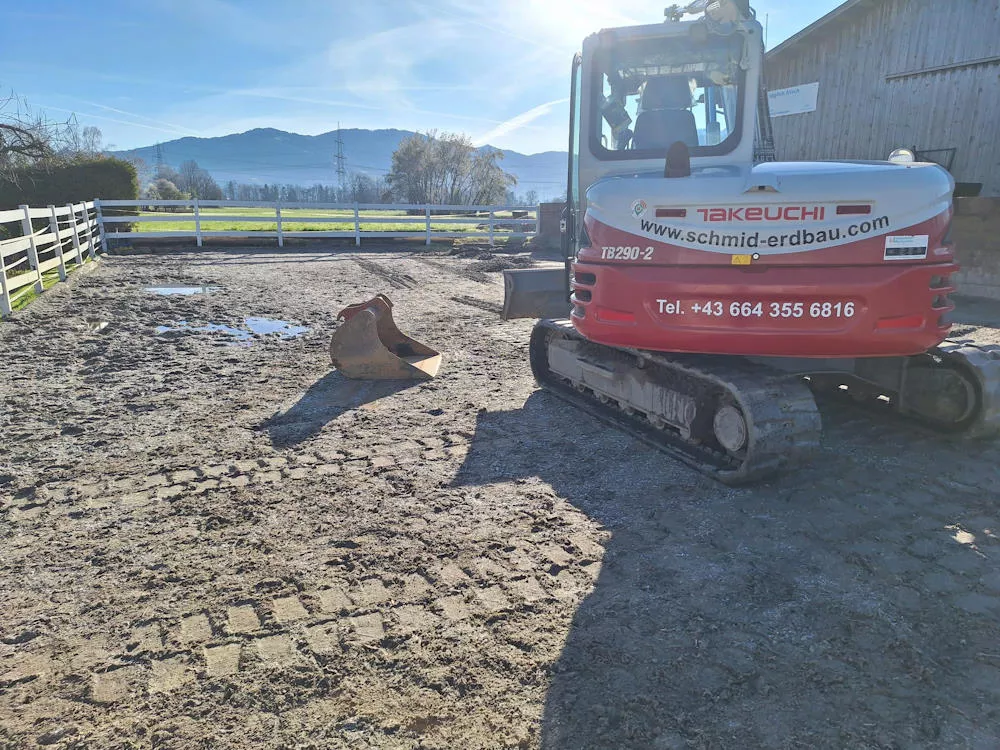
[(157, 70)]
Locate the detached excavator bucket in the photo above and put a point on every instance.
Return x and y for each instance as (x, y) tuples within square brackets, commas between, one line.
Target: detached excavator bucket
[(368, 346)]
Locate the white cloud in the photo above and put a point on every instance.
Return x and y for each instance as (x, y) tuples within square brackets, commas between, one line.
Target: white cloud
[(517, 122)]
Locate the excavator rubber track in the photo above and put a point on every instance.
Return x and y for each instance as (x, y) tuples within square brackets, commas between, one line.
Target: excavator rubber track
[(982, 363), (782, 423), (962, 364)]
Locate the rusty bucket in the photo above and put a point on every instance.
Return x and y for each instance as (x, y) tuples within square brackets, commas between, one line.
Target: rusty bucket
[(368, 346)]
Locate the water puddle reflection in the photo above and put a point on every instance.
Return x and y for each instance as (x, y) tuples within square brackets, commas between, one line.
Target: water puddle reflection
[(185, 290), (253, 328)]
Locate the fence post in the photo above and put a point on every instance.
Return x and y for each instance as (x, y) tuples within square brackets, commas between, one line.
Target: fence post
[(54, 228), (89, 229), (76, 234), (357, 225), (491, 227), (277, 216), (197, 222), (5, 306), (100, 224), (427, 215), (32, 250)]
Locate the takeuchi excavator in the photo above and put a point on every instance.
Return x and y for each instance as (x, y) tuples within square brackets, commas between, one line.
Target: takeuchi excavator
[(708, 291)]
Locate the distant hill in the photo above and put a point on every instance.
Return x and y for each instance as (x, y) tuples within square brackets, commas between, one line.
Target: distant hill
[(266, 155)]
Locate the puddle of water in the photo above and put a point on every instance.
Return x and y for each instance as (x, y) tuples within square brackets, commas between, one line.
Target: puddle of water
[(242, 336), (185, 290), (283, 328)]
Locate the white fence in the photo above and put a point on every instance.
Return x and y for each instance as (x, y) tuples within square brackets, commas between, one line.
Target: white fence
[(52, 240), (49, 242), (281, 221)]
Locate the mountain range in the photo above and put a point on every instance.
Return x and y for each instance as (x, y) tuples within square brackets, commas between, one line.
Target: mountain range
[(266, 155)]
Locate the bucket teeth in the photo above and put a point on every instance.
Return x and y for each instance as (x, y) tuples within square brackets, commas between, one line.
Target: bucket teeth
[(368, 346)]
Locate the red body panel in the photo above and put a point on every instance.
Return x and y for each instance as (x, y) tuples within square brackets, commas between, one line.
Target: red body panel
[(845, 301)]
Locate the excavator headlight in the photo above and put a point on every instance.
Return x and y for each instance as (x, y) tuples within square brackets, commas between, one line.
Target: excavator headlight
[(902, 156)]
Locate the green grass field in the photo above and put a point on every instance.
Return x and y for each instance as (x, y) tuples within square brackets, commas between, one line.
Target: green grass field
[(25, 295), (340, 221)]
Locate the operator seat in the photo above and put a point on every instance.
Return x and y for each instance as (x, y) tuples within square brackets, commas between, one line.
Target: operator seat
[(666, 115)]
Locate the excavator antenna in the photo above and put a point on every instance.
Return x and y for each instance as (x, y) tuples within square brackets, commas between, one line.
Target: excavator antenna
[(369, 346)]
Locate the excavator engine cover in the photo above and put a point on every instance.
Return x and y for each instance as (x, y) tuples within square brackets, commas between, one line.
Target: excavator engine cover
[(368, 346)]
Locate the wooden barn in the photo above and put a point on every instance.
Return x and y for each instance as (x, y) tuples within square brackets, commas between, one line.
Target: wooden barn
[(874, 75)]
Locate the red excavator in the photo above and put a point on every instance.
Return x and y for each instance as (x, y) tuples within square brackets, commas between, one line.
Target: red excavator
[(708, 291)]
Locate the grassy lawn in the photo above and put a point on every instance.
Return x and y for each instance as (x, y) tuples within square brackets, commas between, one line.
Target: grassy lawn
[(340, 221), (25, 295)]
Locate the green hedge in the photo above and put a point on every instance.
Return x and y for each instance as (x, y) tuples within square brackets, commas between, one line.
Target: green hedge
[(72, 182)]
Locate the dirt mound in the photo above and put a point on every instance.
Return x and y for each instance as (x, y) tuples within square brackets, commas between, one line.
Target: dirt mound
[(490, 263)]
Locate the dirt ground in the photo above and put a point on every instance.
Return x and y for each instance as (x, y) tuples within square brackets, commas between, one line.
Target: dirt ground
[(208, 543)]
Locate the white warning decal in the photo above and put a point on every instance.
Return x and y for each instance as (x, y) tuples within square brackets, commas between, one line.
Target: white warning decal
[(906, 247)]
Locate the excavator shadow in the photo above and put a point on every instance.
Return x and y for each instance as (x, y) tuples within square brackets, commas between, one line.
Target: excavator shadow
[(323, 402), (775, 615)]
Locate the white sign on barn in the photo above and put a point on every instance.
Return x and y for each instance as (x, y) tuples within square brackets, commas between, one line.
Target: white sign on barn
[(793, 101)]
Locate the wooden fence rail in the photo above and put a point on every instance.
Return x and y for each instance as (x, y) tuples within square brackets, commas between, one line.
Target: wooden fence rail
[(45, 241)]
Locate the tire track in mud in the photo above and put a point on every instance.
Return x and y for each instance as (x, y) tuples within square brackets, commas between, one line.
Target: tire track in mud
[(396, 279), (457, 270), (482, 304)]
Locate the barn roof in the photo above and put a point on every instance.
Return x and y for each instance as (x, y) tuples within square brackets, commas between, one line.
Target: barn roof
[(839, 15)]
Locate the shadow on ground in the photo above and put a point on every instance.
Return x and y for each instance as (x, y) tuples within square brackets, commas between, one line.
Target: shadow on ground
[(323, 402), (815, 611)]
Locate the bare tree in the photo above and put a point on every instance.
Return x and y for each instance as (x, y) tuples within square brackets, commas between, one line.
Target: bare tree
[(24, 138), (447, 168), (198, 182)]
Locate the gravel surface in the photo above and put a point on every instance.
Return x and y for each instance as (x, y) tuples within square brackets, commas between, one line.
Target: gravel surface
[(216, 541)]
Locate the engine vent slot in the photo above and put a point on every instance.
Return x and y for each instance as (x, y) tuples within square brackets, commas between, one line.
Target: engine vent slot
[(582, 277)]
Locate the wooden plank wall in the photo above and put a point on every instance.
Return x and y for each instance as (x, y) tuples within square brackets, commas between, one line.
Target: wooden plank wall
[(866, 108)]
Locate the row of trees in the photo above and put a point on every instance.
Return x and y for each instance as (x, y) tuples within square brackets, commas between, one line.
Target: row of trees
[(360, 188)]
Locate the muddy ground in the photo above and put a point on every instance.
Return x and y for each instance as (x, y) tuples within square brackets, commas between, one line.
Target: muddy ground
[(213, 544)]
